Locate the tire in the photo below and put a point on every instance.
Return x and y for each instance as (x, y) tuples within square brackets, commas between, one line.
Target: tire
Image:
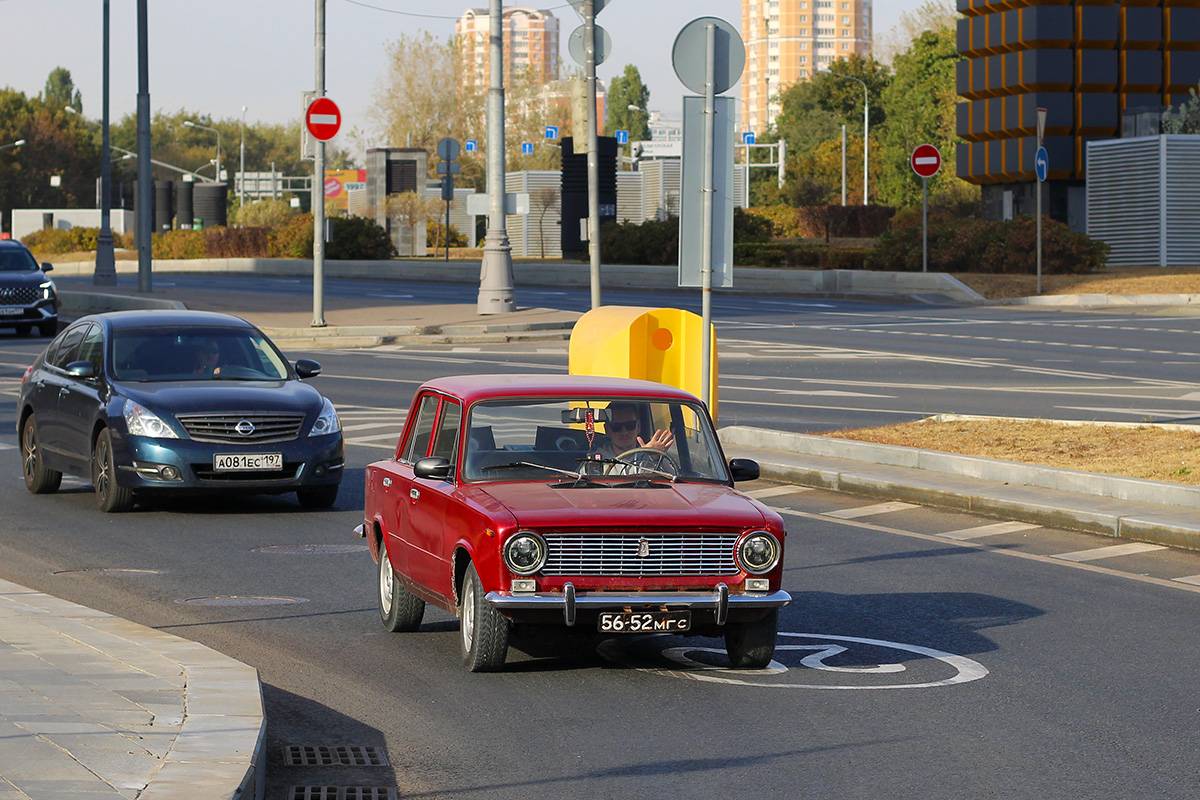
[(483, 631), (39, 479), (318, 496), (399, 609), (110, 496), (751, 644)]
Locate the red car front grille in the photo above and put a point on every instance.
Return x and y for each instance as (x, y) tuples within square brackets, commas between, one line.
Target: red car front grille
[(638, 555)]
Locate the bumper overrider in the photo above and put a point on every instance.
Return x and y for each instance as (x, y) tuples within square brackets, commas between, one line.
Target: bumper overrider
[(570, 602)]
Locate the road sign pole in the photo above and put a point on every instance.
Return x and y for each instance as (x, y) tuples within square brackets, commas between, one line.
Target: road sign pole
[(924, 224), (707, 228), (593, 148), (1041, 135), (318, 183)]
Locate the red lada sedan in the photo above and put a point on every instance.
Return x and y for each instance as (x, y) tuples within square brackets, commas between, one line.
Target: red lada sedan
[(571, 500)]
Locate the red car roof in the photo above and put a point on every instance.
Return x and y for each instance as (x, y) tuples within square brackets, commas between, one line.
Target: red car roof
[(470, 388)]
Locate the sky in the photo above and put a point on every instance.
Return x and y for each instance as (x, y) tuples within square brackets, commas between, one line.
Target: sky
[(215, 57)]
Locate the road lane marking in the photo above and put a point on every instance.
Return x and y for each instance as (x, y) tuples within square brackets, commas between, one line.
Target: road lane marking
[(1194, 580), (982, 531), (365, 425), (8, 447), (394, 435), (775, 491), (869, 511), (1109, 552)]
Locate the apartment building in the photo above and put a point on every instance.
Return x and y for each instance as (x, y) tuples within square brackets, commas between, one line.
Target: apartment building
[(788, 40), (531, 42)]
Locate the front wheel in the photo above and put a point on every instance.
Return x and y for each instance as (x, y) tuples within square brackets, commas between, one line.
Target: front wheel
[(39, 479), (110, 496), (751, 644), (483, 630), (399, 609)]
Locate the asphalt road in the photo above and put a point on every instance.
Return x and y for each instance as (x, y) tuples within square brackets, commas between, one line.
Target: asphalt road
[(1002, 665)]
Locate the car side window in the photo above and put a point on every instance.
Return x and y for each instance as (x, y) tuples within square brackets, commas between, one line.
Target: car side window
[(92, 348), (66, 351), (421, 431), (447, 432)]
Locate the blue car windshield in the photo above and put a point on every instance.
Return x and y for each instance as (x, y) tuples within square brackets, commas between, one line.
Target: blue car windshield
[(194, 354), (17, 260)]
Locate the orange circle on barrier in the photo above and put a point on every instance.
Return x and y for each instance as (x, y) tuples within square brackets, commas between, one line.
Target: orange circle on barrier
[(662, 339)]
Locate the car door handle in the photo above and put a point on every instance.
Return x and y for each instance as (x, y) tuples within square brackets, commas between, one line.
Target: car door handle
[(415, 494), (387, 483)]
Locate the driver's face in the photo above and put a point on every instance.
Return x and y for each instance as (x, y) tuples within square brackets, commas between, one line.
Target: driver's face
[(623, 430)]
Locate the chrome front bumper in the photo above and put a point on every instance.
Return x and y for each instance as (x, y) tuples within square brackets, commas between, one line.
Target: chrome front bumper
[(718, 600)]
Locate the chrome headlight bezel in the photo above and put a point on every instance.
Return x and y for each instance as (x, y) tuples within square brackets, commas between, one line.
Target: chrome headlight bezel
[(755, 564), (327, 421), (541, 552), (141, 421)]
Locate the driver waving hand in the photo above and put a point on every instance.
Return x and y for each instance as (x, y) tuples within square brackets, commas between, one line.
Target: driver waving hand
[(623, 431)]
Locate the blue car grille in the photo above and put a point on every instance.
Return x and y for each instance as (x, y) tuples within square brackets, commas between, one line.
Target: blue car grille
[(640, 555), (254, 427), (19, 295)]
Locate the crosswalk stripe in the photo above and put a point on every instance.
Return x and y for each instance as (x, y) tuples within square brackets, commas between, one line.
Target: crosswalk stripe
[(869, 511), (967, 534), (775, 491), (1109, 552)]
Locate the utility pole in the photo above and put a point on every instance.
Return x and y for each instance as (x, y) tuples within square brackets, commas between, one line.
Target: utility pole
[(593, 157), (106, 265), (318, 184), (496, 273), (145, 187)]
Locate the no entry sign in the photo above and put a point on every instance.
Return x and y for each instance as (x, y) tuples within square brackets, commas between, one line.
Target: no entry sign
[(926, 160), (323, 119)]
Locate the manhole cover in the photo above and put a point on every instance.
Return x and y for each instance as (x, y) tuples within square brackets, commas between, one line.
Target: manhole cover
[(241, 600), (341, 793), (337, 756), (311, 549), (109, 570)]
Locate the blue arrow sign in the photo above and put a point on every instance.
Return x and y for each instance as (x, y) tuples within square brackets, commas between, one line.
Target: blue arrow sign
[(1041, 163), (748, 137), (551, 131), (472, 146), (622, 137), (527, 148)]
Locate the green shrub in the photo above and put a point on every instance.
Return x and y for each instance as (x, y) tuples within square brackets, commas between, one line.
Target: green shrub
[(357, 239), (177, 244), (844, 221), (436, 237), (73, 240), (652, 242), (263, 214), (235, 242), (294, 240), (749, 226)]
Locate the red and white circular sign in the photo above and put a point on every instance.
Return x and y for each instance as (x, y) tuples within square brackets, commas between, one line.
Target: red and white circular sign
[(926, 160), (323, 119), (333, 187)]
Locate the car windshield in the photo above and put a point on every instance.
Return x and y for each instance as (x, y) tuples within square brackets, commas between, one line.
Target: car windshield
[(194, 354), (17, 259), (597, 437)]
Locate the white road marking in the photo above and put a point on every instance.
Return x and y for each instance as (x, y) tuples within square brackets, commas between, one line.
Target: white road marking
[(548, 350), (1110, 552), (465, 349), (982, 531), (394, 435), (776, 491), (868, 511), (365, 425), (1194, 580), (8, 447)]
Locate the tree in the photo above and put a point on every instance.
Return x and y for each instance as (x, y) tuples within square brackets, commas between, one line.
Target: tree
[(411, 209), (1187, 119), (60, 91), (628, 99), (932, 15), (543, 201)]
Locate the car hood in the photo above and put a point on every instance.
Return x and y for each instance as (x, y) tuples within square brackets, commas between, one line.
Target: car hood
[(685, 505), (181, 397), (15, 278)]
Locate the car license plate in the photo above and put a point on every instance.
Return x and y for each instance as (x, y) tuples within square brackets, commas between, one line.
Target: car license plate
[(230, 462), (644, 621), (10, 311)]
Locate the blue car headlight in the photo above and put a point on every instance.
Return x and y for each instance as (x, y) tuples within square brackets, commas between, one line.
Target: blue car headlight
[(141, 421), (327, 422), (49, 291)]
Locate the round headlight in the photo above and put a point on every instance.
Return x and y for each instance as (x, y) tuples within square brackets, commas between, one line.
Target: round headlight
[(758, 552), (525, 553)]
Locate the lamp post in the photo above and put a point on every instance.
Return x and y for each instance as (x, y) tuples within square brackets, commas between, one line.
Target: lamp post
[(190, 124), (866, 126), (242, 168), (10, 145)]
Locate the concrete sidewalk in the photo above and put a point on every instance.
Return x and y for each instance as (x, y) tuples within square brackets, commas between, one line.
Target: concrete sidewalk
[(93, 706)]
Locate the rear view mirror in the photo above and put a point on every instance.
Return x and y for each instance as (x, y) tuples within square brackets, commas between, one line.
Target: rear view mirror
[(81, 369), (47, 266), (432, 468), (743, 469), (578, 416), (306, 368)]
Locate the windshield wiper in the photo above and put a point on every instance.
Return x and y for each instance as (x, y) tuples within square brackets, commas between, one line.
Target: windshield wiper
[(642, 469), (515, 464)]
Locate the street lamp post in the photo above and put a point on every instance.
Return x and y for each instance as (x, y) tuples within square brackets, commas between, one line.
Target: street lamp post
[(242, 168), (190, 124), (866, 127)]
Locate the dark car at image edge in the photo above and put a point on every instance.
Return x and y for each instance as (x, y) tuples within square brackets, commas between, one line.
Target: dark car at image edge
[(28, 299)]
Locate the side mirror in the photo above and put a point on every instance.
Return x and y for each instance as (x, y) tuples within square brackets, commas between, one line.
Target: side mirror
[(433, 468), (743, 469), (306, 368), (81, 369), (47, 266)]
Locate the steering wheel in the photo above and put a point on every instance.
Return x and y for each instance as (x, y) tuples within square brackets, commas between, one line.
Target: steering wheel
[(652, 457)]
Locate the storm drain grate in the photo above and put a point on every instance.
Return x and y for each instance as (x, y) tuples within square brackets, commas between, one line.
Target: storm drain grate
[(342, 793), (339, 756)]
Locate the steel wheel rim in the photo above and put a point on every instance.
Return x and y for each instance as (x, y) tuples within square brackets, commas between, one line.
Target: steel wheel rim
[(101, 479), (29, 442), (468, 615), (386, 586)]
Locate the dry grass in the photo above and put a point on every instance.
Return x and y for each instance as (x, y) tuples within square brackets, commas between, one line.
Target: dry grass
[(1153, 453), (1131, 280)]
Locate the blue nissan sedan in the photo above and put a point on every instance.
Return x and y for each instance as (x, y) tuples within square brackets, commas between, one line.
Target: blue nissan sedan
[(145, 403)]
